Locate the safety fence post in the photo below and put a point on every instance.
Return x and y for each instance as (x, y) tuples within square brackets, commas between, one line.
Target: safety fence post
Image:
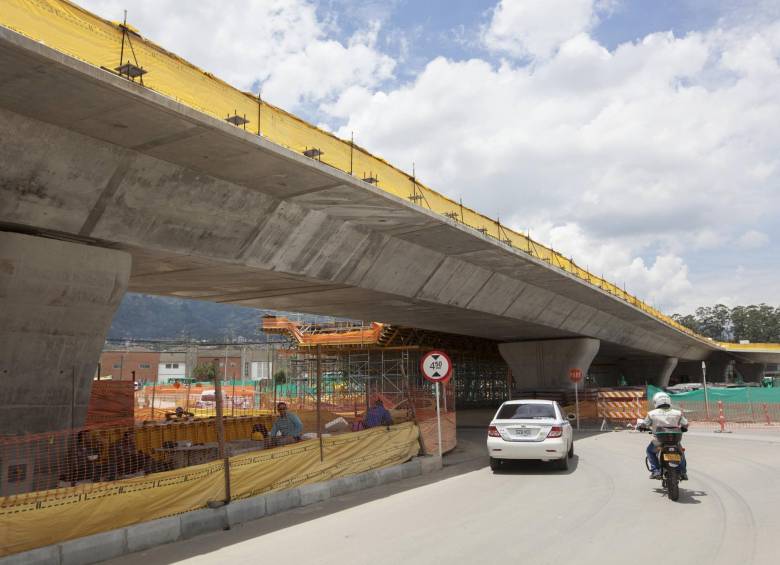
[(765, 406), (721, 418), (319, 401), (220, 425)]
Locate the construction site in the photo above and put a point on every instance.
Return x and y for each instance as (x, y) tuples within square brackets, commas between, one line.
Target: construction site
[(146, 174)]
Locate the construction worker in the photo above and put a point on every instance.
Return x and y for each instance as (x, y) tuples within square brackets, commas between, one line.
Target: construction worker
[(377, 415)]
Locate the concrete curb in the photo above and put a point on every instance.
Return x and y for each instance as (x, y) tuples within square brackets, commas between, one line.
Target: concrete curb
[(107, 545)]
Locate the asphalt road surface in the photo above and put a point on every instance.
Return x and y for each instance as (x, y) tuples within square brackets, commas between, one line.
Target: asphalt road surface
[(604, 510)]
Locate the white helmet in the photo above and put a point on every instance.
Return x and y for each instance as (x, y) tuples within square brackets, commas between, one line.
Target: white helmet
[(662, 399)]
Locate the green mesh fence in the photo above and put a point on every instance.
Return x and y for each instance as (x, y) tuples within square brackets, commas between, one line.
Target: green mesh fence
[(737, 395), (746, 405)]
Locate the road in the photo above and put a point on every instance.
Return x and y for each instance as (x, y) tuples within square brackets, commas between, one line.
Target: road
[(604, 510)]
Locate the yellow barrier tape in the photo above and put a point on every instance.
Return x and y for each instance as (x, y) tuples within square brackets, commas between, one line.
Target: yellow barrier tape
[(27, 522), (80, 34), (750, 347)]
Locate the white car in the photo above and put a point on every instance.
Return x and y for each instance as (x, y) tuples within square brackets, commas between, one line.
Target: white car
[(530, 429)]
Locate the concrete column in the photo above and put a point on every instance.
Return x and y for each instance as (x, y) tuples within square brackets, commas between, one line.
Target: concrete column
[(546, 364), (57, 300), (751, 372), (648, 371), (668, 367), (687, 372)]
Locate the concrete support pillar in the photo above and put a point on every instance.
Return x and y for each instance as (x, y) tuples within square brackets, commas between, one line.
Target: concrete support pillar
[(716, 368), (546, 364), (687, 372), (648, 371), (751, 372), (57, 300), (668, 367)]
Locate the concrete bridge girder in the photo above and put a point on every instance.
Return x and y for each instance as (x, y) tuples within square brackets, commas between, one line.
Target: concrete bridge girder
[(197, 236), (253, 223)]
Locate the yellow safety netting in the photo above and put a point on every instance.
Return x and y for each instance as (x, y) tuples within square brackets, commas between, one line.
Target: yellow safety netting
[(27, 522), (80, 34), (750, 347)]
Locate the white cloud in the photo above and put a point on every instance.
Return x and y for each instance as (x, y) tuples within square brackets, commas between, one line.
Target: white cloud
[(536, 28), (664, 282), (280, 43), (752, 240), (654, 151)]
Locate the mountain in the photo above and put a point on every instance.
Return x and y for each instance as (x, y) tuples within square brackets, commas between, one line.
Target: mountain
[(145, 317)]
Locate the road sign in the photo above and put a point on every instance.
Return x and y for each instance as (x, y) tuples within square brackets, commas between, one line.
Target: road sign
[(436, 366), (575, 376)]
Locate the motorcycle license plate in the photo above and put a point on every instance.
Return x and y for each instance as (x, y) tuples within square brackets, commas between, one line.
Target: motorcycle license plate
[(672, 457)]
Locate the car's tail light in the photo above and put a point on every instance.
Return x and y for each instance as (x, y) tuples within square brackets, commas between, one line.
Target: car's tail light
[(493, 432), (555, 431)]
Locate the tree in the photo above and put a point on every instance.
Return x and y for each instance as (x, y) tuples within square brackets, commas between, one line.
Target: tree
[(755, 323), (280, 377), (689, 321), (714, 321), (205, 372)]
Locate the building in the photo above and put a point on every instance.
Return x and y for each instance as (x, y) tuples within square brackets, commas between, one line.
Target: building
[(234, 364), (132, 365)]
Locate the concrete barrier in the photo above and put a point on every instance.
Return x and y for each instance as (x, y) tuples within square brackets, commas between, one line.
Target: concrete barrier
[(153, 533), (42, 556), (92, 549), (240, 511), (107, 545), (202, 521)]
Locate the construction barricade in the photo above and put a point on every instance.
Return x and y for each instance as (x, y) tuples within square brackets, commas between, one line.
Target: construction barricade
[(620, 406)]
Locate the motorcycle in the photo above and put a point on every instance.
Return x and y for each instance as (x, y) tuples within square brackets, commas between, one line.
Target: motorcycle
[(670, 457)]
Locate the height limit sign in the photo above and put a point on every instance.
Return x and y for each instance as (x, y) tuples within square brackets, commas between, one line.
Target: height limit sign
[(436, 366)]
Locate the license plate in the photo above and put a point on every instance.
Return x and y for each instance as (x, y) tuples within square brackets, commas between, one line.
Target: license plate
[(524, 432), (672, 457)]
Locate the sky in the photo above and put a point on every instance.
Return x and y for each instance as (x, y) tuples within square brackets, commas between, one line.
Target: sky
[(641, 137)]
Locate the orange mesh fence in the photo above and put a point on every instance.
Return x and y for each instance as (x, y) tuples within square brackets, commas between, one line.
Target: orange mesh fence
[(85, 456), (37, 465), (47, 517), (731, 414)]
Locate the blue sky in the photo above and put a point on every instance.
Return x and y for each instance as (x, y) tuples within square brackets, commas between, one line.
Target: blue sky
[(450, 28), (638, 136)]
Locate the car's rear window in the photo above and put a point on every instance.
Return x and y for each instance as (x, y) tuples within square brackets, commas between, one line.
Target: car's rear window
[(530, 411)]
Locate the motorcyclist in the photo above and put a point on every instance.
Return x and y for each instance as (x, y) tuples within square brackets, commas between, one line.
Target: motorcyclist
[(663, 418)]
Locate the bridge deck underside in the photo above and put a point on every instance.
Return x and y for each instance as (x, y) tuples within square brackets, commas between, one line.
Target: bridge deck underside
[(212, 212)]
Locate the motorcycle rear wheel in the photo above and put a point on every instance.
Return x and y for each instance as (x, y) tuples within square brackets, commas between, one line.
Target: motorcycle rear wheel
[(673, 484)]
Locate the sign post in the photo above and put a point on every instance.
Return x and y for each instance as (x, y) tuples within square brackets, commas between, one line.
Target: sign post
[(436, 367), (575, 375), (706, 395)]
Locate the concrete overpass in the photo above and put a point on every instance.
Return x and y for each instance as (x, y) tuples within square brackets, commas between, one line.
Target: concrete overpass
[(108, 186)]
